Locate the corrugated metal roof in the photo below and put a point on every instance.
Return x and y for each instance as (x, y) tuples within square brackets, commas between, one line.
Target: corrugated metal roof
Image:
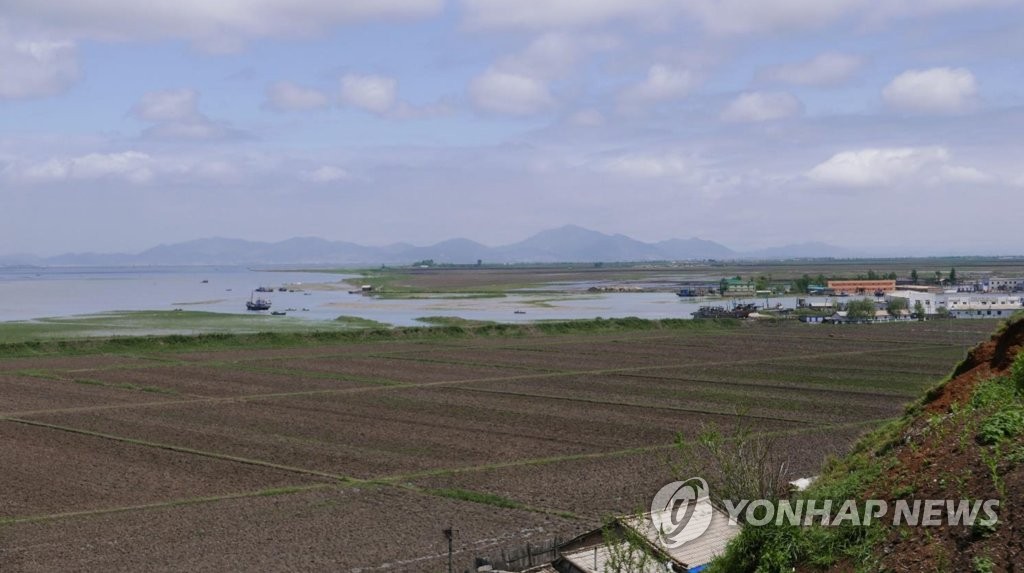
[(693, 553), (698, 551), (596, 559)]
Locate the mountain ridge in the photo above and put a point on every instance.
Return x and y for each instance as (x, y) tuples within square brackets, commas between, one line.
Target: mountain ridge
[(569, 243)]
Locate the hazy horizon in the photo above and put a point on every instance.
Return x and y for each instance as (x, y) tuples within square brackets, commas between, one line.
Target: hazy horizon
[(837, 251), (889, 128)]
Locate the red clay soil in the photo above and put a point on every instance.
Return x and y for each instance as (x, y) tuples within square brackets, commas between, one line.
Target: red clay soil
[(987, 359)]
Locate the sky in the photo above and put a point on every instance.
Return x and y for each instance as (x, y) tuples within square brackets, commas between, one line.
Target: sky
[(883, 126)]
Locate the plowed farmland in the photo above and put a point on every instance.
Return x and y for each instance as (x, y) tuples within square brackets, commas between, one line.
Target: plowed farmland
[(348, 455)]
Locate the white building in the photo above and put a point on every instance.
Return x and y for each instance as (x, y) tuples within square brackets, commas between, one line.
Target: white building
[(996, 284), (929, 300), (983, 306)]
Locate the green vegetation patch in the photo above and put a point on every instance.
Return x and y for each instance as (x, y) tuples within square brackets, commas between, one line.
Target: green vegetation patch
[(327, 332), (453, 321), (1002, 425), (359, 322), (476, 497)]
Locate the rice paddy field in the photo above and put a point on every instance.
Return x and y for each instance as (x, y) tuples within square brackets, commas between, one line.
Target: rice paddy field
[(352, 453)]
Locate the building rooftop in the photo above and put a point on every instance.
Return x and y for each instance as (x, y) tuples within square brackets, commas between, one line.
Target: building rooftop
[(694, 553)]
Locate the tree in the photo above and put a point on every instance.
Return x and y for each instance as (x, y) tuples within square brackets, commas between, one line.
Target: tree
[(938, 277), (942, 311), (896, 306), (723, 286), (860, 309), (744, 464), (919, 310), (913, 276), (628, 551), (872, 275), (801, 284), (952, 276)]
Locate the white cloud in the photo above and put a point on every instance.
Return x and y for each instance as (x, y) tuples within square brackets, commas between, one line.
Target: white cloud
[(175, 115), (325, 174), (727, 17), (509, 93), (210, 24), (882, 167), (762, 106), (562, 13), (662, 83), (722, 17), (167, 105), (131, 166), (649, 166), (825, 69), (31, 69), (936, 90), (587, 118), (286, 96), (376, 94), (964, 174), (553, 54)]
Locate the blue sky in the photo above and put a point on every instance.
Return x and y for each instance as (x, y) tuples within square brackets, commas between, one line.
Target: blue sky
[(890, 127)]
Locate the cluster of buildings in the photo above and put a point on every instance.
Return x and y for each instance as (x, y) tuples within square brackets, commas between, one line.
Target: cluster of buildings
[(962, 304)]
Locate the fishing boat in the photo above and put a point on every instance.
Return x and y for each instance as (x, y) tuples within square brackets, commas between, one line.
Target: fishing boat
[(257, 303), (738, 311)]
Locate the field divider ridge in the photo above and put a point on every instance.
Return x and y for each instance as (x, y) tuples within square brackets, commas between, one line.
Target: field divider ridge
[(184, 450)]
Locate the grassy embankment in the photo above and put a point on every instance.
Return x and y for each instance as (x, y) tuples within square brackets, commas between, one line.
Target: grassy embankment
[(29, 339), (143, 323), (963, 441)]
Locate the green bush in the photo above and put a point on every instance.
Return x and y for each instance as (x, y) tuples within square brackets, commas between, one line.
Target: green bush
[(993, 393), (1017, 372), (1001, 426)]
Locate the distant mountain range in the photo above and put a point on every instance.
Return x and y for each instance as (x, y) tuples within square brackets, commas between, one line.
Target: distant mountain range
[(564, 244)]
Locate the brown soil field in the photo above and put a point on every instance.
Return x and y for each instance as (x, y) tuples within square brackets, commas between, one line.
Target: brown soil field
[(315, 350), (21, 394), (573, 426), (597, 488), (48, 471), (387, 369), (218, 381), (337, 529), (548, 360), (70, 363), (378, 434), (768, 400)]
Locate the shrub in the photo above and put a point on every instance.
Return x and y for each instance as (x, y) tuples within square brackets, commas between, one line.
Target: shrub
[(1001, 425), (1017, 372)]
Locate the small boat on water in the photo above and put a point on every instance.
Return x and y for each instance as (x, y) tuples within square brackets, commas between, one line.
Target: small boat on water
[(264, 289), (257, 303), (278, 313), (738, 311), (520, 312)]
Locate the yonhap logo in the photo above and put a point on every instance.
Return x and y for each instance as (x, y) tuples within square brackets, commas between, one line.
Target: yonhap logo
[(681, 512)]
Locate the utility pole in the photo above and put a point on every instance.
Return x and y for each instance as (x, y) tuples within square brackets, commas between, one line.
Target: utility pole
[(449, 535)]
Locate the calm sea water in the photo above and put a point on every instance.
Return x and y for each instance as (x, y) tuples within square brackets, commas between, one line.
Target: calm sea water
[(32, 293)]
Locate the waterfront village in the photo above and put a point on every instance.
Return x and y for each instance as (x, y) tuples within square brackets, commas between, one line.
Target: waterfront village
[(871, 299)]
